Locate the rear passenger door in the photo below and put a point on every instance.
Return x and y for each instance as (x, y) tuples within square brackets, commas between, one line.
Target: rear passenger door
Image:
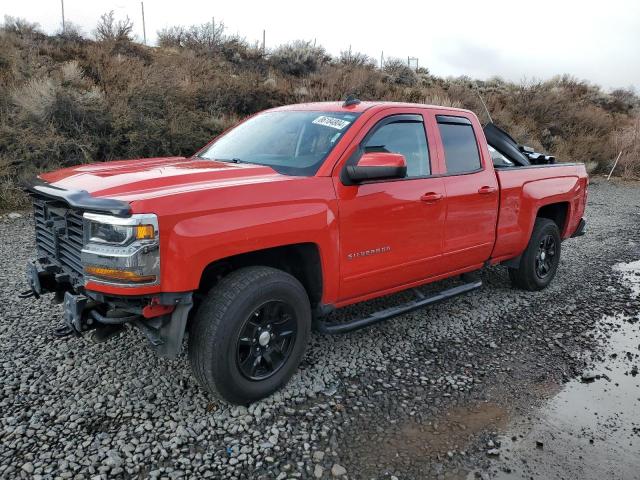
[(471, 193)]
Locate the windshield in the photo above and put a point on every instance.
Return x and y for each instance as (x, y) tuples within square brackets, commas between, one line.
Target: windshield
[(292, 143)]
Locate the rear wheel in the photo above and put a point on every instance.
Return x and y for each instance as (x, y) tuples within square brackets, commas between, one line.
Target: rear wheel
[(539, 262), (250, 334)]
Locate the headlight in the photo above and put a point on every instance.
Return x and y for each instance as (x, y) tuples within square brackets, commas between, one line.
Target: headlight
[(114, 234), (122, 251), (100, 232)]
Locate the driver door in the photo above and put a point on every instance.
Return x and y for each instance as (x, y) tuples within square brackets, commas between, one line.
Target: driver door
[(391, 231)]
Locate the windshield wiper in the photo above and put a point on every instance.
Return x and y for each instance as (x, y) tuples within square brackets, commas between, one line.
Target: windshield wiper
[(228, 160)]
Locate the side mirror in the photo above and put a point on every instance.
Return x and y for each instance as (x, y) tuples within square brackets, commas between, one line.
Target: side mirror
[(377, 166)]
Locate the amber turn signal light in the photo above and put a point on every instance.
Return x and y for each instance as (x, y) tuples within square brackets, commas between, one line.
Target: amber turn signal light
[(145, 232), (119, 275)]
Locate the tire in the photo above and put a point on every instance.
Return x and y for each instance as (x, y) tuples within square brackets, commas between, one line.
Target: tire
[(536, 270), (251, 309)]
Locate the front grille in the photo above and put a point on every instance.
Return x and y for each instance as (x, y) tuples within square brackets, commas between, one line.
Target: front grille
[(59, 236)]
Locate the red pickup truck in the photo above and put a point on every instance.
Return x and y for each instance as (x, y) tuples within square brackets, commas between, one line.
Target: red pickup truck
[(295, 212)]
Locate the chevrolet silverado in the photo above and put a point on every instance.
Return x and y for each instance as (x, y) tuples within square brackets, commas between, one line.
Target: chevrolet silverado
[(297, 211)]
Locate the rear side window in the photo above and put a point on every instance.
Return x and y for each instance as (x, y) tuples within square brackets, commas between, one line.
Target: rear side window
[(407, 138), (460, 147)]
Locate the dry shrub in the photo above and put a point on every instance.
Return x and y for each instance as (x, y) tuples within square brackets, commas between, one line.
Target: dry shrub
[(65, 99), (349, 58), (399, 72), (627, 141), (21, 27), (11, 195), (111, 30), (204, 37), (72, 33), (335, 82), (299, 58), (36, 98), (210, 39), (441, 99)]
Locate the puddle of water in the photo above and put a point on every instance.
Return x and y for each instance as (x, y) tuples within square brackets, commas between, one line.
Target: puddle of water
[(588, 430), (630, 274), (451, 432), (414, 441)]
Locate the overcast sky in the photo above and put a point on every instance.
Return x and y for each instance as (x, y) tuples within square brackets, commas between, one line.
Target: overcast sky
[(597, 41)]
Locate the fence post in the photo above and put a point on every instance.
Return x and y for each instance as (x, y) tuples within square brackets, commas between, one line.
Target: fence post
[(614, 165), (144, 27), (63, 25)]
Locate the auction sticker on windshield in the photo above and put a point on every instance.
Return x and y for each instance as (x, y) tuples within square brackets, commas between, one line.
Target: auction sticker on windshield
[(336, 123)]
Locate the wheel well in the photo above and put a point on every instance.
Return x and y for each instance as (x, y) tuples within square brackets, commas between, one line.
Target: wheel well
[(300, 260), (556, 212)]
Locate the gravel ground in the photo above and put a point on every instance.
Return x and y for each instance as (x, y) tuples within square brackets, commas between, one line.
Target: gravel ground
[(421, 396)]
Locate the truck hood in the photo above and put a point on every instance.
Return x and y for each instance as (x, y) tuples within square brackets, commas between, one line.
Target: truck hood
[(132, 180)]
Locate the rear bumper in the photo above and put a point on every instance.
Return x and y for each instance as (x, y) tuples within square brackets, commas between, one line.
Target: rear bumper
[(581, 230)]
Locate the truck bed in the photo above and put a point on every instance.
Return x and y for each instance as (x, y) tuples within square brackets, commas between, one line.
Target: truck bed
[(526, 189)]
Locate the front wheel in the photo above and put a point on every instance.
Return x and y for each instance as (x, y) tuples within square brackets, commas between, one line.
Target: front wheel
[(539, 262), (249, 334)]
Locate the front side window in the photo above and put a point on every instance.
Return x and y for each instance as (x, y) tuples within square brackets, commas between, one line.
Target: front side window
[(460, 148), (291, 142), (406, 138)]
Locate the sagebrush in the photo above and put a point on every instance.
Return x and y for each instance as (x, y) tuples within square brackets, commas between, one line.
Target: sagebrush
[(66, 99)]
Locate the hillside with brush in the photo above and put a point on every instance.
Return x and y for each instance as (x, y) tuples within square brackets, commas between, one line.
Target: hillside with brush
[(67, 99)]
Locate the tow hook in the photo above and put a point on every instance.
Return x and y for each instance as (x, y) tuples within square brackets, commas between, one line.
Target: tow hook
[(64, 331)]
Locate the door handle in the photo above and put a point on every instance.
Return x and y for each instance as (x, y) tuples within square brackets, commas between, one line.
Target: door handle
[(431, 197), (486, 189)]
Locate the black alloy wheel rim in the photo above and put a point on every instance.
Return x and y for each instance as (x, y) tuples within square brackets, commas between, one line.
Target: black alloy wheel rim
[(546, 256), (266, 340)]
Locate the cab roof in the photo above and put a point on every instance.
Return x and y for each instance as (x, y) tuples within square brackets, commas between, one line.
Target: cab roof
[(359, 107)]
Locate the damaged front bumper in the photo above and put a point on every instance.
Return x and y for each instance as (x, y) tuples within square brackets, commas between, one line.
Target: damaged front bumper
[(161, 317)]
